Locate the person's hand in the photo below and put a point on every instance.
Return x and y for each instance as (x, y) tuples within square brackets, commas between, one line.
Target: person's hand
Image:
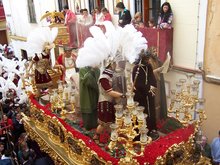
[(166, 26), (152, 90), (61, 67), (159, 70), (123, 96), (20, 121)]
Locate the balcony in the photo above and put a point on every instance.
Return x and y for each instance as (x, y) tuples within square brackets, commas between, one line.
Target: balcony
[(161, 39)]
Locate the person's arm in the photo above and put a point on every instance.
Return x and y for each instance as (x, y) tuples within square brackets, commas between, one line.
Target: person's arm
[(59, 62), (86, 77), (89, 20), (159, 21), (90, 80), (170, 19), (108, 17), (66, 19), (108, 88)]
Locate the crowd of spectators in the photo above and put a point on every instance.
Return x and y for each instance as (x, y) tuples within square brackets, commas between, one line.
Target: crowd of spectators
[(15, 146)]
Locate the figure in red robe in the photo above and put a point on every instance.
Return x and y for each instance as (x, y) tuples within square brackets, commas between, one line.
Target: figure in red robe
[(70, 22), (67, 63)]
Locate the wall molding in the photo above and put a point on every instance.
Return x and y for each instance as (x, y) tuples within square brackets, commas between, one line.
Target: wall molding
[(18, 38), (188, 70)]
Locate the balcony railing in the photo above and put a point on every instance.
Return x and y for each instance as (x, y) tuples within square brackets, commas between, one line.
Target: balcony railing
[(161, 39)]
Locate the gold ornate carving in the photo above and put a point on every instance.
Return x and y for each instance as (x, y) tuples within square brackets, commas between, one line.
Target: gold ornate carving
[(95, 161), (64, 148), (45, 144), (63, 36)]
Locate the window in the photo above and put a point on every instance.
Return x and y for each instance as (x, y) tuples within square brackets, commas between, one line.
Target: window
[(31, 12), (62, 3), (148, 8), (91, 5), (138, 6), (98, 3), (154, 9), (101, 3)]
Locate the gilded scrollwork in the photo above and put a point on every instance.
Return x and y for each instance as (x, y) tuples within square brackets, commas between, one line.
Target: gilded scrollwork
[(183, 153), (44, 145), (73, 145), (52, 137), (62, 135), (53, 129), (95, 161)]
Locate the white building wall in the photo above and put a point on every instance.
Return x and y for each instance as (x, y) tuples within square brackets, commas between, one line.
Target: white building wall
[(189, 24), (189, 35), (185, 32)]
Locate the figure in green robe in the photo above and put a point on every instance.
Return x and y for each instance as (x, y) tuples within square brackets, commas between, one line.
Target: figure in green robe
[(89, 94)]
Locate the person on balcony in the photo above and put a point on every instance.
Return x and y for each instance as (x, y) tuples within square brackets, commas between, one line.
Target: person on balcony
[(165, 17), (145, 85), (137, 21), (84, 23), (106, 15), (98, 16), (152, 24), (124, 14), (70, 22)]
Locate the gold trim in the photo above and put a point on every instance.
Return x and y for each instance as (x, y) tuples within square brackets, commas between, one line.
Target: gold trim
[(18, 38), (57, 153)]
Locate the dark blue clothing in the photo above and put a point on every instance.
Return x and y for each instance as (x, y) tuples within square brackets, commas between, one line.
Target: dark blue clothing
[(125, 16), (6, 162)]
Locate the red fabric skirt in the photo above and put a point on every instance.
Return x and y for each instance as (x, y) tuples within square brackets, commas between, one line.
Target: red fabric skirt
[(42, 78), (106, 112)]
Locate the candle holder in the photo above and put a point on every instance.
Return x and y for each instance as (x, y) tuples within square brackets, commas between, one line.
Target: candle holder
[(185, 103), (130, 99), (61, 98), (200, 111), (130, 123)]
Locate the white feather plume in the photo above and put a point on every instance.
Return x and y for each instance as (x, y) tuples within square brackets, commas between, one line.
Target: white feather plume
[(38, 37), (6, 83), (116, 43)]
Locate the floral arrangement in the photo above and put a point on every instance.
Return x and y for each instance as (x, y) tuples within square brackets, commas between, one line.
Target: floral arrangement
[(168, 125)]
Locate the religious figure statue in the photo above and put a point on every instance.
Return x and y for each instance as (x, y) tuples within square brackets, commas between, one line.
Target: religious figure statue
[(40, 43)]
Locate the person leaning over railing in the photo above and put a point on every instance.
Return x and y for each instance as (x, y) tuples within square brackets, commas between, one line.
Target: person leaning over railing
[(165, 17)]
